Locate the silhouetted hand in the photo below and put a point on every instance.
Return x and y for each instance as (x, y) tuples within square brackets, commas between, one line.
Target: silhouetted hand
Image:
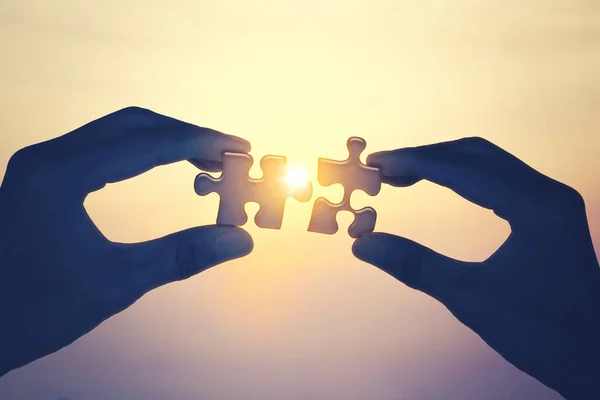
[(536, 301), (59, 276)]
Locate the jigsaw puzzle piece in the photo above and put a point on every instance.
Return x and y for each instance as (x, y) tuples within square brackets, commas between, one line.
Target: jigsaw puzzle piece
[(234, 187), (364, 222), (274, 192), (323, 218), (351, 173)]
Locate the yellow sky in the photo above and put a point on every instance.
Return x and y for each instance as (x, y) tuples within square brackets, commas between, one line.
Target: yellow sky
[(300, 318)]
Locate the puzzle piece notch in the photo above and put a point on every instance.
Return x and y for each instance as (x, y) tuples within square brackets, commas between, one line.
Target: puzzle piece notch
[(353, 175), (323, 218), (236, 188)]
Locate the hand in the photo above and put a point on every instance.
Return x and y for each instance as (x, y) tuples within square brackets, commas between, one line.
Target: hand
[(59, 276), (536, 301)]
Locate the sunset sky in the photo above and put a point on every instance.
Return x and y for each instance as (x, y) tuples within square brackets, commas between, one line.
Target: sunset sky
[(301, 318)]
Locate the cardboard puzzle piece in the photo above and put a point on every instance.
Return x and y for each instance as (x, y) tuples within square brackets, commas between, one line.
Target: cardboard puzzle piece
[(353, 175), (236, 188)]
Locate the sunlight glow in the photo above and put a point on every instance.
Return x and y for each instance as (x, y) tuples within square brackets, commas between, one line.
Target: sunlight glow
[(297, 177)]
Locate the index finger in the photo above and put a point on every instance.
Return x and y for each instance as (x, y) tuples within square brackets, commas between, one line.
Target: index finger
[(138, 151), (473, 168), (117, 124)]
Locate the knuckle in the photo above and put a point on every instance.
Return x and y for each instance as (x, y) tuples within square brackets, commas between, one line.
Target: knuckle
[(477, 142), (570, 205), (133, 110), (132, 114), (21, 158), (132, 117), (571, 198), (559, 203), (28, 169), (563, 197)]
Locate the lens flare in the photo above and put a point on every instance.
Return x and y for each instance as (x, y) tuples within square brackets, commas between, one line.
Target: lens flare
[(297, 177)]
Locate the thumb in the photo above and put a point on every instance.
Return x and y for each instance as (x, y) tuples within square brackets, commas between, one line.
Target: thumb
[(184, 254), (414, 264)]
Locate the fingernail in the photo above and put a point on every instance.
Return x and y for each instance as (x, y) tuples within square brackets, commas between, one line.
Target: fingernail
[(243, 145), (232, 243), (370, 249), (233, 144), (374, 160)]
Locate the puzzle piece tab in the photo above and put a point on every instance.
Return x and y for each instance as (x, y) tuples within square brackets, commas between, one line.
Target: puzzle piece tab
[(236, 188), (353, 175)]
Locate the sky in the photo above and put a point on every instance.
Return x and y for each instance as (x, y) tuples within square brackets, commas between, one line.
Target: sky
[(300, 318)]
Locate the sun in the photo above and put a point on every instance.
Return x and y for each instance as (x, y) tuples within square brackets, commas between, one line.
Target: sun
[(297, 177)]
